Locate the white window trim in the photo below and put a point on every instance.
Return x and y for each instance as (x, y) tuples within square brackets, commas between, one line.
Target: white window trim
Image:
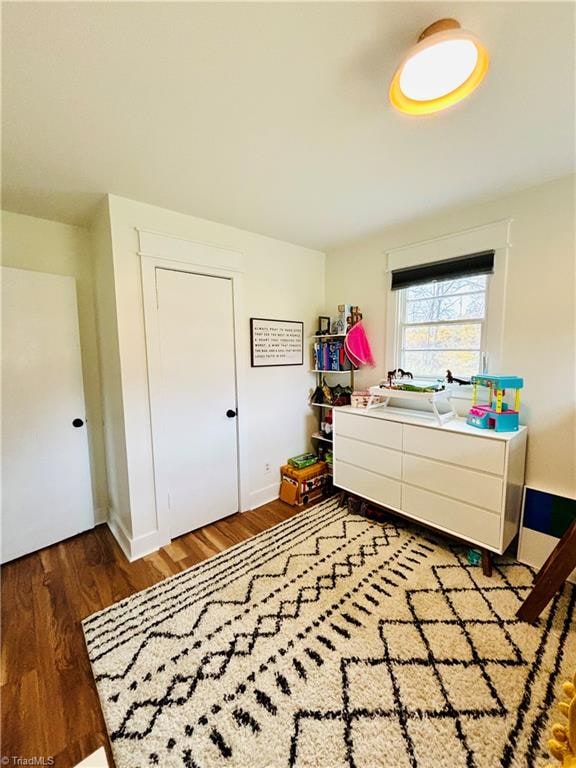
[(495, 236)]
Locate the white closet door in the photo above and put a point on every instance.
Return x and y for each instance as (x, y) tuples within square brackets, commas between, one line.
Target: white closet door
[(46, 489), (199, 445)]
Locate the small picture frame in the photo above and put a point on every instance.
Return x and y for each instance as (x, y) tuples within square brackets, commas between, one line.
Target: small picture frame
[(323, 325), (338, 327)]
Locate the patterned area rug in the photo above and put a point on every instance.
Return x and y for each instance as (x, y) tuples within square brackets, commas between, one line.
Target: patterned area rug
[(332, 641)]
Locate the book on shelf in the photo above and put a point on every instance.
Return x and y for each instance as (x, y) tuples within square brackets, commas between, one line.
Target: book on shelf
[(331, 356)]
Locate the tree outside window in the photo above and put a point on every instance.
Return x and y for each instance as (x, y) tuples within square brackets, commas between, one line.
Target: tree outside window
[(442, 327)]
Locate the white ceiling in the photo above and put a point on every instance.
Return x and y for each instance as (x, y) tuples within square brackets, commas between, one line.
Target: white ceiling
[(274, 117)]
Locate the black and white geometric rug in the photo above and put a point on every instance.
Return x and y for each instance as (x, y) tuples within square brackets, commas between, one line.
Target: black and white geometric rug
[(332, 641)]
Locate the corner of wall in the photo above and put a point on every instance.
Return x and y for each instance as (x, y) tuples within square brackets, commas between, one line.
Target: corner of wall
[(134, 547), (108, 351), (100, 515)]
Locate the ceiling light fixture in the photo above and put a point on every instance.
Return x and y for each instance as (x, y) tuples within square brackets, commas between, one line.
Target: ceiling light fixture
[(444, 67)]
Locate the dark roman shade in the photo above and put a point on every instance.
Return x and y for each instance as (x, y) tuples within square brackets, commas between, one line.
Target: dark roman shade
[(450, 269)]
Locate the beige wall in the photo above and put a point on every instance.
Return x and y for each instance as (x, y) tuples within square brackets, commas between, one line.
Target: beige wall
[(61, 249), (287, 281), (280, 280), (109, 358), (539, 340)]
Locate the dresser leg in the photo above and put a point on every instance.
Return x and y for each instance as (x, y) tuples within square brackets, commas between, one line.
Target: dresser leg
[(342, 499), (486, 562)]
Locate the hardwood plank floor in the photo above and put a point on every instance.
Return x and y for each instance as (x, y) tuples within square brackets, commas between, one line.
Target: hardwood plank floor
[(50, 707)]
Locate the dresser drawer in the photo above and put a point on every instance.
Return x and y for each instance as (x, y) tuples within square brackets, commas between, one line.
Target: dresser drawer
[(384, 461), (370, 485), (462, 484), (479, 453), (368, 429), (454, 516)]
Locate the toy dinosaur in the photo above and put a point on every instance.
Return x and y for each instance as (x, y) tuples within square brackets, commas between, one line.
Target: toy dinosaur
[(562, 745)]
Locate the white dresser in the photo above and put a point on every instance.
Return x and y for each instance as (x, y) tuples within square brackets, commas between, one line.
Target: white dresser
[(456, 478)]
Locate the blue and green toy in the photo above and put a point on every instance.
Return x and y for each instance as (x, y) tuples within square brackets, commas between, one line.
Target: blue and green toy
[(497, 414)]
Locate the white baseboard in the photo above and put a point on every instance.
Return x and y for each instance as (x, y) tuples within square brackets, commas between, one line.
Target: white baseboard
[(120, 534), (134, 547), (146, 544), (264, 495), (139, 546)]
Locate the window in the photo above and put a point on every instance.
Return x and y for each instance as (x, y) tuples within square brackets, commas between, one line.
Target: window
[(446, 303), (442, 326)]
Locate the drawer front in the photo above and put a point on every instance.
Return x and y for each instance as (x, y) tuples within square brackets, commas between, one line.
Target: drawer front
[(369, 429), (384, 461), (464, 450), (368, 484), (454, 516), (462, 484)]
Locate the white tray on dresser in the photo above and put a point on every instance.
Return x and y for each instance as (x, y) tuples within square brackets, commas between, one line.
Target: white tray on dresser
[(456, 478), (432, 398)]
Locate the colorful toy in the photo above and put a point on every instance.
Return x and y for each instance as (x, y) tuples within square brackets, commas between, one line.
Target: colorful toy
[(474, 556), (303, 460), (496, 414)]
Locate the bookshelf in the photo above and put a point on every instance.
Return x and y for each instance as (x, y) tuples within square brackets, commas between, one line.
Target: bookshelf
[(323, 442), (320, 436)]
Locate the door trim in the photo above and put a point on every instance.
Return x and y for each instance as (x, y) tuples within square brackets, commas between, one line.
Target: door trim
[(199, 259)]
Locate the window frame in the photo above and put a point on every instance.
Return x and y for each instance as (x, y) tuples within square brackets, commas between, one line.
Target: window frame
[(401, 325), (494, 236)]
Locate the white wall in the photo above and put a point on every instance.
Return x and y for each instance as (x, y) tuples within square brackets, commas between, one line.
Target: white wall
[(61, 249), (287, 282), (118, 502), (539, 339), (280, 281)]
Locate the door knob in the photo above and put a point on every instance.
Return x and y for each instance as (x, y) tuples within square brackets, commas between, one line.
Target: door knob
[(230, 413), (77, 423)]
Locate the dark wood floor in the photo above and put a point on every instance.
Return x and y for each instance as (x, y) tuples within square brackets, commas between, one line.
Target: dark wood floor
[(50, 707)]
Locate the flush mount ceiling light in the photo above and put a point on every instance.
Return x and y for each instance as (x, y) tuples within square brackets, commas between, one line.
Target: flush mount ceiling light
[(444, 67)]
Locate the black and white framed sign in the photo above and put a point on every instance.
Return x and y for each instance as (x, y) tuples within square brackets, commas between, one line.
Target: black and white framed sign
[(276, 342)]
